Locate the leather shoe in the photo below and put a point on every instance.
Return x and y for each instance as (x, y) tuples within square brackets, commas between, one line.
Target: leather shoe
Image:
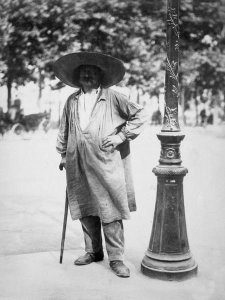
[(88, 258), (119, 268)]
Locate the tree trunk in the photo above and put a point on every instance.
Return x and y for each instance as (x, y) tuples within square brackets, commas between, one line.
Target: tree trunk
[(224, 105), (40, 88), (196, 108), (138, 96), (9, 89)]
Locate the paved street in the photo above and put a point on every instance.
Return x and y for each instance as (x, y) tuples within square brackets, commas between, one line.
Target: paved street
[(32, 192)]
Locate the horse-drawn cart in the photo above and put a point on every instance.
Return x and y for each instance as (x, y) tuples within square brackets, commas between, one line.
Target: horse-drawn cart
[(24, 123)]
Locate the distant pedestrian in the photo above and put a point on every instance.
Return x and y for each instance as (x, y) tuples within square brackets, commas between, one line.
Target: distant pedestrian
[(203, 117), (96, 127)]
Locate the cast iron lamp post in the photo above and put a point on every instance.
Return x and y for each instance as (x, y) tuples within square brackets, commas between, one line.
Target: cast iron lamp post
[(168, 256)]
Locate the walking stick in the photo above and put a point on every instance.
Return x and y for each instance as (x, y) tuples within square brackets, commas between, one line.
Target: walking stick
[(64, 229), (64, 222)]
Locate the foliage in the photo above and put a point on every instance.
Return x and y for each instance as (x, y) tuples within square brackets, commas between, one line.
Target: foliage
[(130, 30), (35, 33), (202, 45), (13, 50)]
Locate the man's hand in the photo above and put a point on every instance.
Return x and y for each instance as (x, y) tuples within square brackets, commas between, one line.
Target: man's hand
[(62, 164), (112, 140)]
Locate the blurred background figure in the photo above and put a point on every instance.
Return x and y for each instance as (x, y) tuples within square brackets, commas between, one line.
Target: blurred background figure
[(15, 113)]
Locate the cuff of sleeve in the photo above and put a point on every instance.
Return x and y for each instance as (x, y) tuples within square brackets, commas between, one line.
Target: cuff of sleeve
[(122, 136)]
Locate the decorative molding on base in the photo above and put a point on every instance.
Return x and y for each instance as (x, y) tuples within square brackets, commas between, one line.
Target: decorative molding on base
[(169, 270)]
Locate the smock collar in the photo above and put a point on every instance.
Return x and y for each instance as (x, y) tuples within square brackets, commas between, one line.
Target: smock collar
[(102, 94)]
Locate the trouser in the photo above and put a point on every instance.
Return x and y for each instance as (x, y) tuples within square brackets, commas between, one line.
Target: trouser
[(113, 233)]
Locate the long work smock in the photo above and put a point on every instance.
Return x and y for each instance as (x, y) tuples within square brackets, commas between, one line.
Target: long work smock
[(99, 180)]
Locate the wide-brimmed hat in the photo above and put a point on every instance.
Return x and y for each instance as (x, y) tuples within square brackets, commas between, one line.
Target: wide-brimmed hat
[(66, 67)]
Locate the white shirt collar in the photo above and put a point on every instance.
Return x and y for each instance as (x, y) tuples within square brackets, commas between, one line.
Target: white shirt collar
[(93, 92)]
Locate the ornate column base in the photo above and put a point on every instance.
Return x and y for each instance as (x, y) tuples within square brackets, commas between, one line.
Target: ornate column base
[(168, 256), (168, 270)]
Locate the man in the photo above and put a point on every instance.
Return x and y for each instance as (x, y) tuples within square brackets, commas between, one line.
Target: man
[(96, 127)]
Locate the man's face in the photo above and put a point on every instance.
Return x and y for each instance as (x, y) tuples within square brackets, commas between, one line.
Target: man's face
[(90, 77)]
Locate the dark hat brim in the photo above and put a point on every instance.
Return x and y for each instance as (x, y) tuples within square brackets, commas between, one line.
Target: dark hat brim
[(66, 66)]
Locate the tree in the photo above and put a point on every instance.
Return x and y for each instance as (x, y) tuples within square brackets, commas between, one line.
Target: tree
[(48, 37), (202, 47), (33, 35), (13, 46), (129, 30)]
